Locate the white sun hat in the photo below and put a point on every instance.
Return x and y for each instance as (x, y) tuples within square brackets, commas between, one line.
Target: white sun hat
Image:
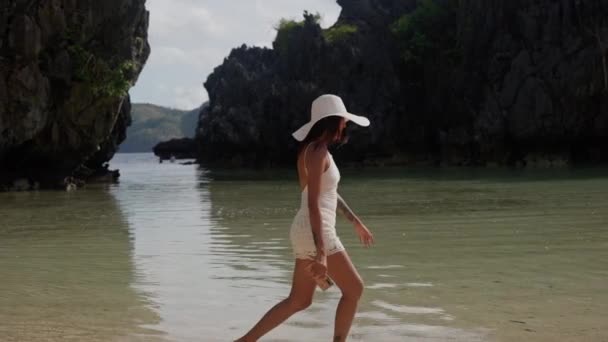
[(324, 106)]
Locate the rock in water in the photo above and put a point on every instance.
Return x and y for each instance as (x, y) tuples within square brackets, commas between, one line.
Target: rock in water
[(65, 71), (183, 148)]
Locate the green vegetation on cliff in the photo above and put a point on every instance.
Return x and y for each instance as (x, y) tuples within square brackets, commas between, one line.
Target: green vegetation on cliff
[(427, 33), (104, 79), (286, 29), (339, 32)]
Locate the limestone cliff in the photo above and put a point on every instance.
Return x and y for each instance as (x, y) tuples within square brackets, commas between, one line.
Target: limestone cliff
[(65, 69), (444, 82)]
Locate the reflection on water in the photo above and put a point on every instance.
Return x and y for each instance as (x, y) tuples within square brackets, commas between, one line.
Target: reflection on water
[(66, 272), (174, 253)]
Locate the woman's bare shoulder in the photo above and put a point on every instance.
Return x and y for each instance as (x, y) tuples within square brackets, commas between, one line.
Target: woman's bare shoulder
[(317, 150), (316, 157)]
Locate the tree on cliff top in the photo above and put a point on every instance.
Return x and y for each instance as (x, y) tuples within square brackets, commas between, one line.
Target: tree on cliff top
[(286, 28)]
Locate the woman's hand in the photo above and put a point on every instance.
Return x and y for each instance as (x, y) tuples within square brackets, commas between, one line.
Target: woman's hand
[(318, 266), (365, 236)]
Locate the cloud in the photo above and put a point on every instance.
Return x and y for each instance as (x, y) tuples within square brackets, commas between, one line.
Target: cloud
[(197, 59), (175, 20), (189, 38), (170, 55), (188, 98)]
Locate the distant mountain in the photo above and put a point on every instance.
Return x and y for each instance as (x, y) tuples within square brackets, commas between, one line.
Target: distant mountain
[(153, 124)]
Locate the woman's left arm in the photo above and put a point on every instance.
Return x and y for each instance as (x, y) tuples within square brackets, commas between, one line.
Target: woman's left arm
[(347, 211), (365, 236)]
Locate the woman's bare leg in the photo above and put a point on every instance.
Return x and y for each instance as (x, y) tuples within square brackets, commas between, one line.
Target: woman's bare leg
[(300, 297), (346, 277)]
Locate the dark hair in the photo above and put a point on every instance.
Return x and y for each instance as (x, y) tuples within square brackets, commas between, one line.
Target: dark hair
[(329, 125)]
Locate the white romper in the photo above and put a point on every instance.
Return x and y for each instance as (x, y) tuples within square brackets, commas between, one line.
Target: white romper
[(301, 230)]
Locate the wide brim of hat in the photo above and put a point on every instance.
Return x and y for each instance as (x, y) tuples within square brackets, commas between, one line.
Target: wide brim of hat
[(302, 132)]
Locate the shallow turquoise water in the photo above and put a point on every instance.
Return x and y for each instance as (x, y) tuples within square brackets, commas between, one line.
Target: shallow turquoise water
[(174, 253)]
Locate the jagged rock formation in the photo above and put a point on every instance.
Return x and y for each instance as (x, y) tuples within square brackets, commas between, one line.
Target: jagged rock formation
[(65, 70), (538, 72), (182, 148), (444, 82)]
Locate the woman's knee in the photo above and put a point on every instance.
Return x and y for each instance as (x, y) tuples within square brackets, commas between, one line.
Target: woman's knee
[(355, 290), (298, 304), (359, 288)]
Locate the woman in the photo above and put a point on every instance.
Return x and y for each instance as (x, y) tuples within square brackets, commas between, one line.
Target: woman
[(317, 249)]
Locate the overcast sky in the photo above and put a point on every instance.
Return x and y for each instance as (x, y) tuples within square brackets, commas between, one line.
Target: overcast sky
[(191, 37)]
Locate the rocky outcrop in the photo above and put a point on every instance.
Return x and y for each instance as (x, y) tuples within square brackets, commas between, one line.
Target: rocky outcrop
[(183, 148), (444, 82), (65, 69), (536, 73)]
